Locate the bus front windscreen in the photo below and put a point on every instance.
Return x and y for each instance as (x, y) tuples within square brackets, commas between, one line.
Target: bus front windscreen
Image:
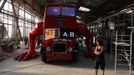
[(61, 11), (53, 11), (68, 11)]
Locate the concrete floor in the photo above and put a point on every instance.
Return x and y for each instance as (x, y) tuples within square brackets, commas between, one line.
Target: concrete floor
[(36, 67)]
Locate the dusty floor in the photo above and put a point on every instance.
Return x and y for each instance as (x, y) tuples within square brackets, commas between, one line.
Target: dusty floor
[(36, 67)]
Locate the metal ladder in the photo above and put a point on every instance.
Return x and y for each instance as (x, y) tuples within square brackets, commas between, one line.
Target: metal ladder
[(123, 53)]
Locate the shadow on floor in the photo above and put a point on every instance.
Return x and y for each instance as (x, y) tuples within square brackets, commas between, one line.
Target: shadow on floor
[(83, 63)]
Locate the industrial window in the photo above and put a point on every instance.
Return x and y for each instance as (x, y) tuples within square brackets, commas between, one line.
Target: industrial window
[(26, 20), (7, 20)]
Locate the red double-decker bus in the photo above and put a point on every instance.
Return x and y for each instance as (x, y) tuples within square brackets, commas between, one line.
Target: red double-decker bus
[(59, 33)]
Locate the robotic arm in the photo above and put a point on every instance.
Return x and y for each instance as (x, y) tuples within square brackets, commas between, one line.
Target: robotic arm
[(31, 53)]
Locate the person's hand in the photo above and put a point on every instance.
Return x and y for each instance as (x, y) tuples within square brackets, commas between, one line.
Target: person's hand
[(96, 52)]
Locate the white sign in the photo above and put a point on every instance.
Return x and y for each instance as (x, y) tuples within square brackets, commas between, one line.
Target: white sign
[(68, 34)]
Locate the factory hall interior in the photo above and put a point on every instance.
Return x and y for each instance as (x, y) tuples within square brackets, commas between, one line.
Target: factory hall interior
[(66, 37)]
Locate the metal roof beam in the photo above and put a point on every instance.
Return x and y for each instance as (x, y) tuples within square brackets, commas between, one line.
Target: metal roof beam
[(4, 2)]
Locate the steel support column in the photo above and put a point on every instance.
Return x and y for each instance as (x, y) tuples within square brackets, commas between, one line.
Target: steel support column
[(1, 7), (3, 29), (16, 20)]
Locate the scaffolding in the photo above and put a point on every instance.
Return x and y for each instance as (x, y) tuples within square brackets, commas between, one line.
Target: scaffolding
[(121, 47), (123, 52)]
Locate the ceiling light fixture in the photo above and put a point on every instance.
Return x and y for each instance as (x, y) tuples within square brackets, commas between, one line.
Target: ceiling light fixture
[(84, 9), (126, 11), (78, 17), (130, 11)]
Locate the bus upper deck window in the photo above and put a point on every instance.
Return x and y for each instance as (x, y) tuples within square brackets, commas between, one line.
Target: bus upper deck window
[(53, 11), (68, 11)]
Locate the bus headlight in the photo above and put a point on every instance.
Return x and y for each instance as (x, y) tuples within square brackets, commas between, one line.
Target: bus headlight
[(70, 49), (48, 49)]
